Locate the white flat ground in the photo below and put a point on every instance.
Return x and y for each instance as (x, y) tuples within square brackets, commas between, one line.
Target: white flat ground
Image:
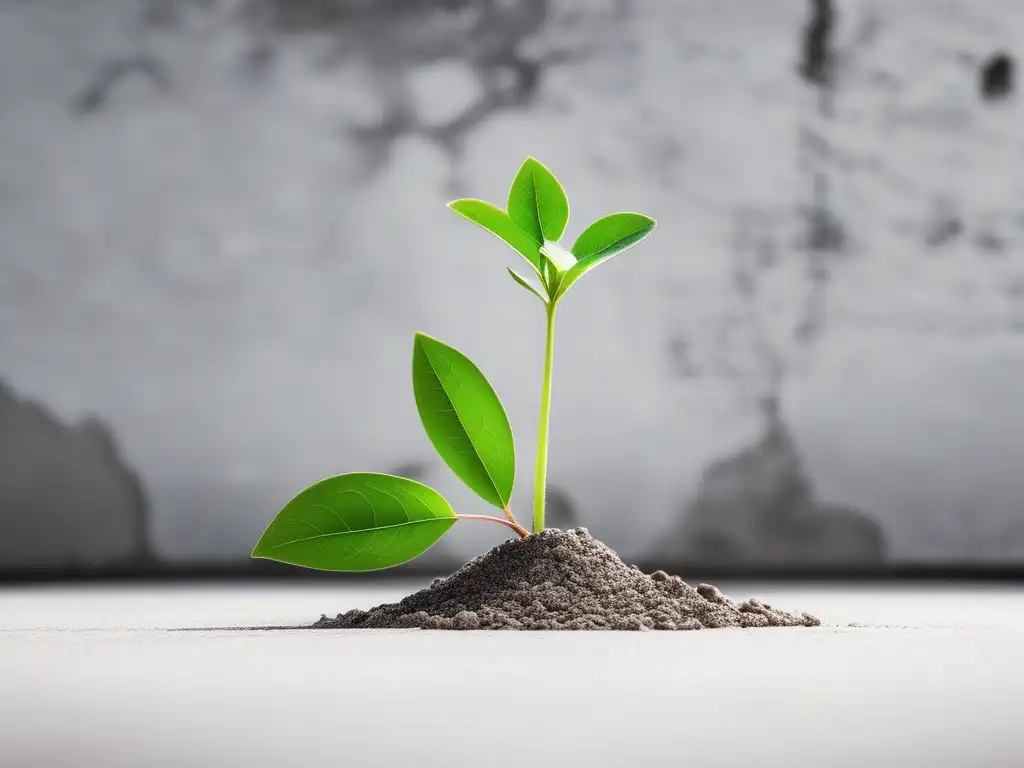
[(97, 677)]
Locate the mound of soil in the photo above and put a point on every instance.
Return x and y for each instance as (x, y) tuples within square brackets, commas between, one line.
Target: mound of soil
[(563, 580)]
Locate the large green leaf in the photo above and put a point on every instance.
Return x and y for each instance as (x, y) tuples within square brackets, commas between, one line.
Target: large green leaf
[(603, 239), (464, 419), (361, 521), (537, 202), (498, 223)]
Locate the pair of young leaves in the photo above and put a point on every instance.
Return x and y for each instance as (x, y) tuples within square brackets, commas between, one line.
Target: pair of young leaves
[(364, 521), (535, 219)]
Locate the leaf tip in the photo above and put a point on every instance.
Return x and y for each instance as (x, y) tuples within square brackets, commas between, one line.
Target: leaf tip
[(259, 552), (533, 162), (650, 220), (464, 206), (419, 337), (426, 343)]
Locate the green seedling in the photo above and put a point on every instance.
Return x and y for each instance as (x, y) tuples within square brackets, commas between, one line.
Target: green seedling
[(366, 521)]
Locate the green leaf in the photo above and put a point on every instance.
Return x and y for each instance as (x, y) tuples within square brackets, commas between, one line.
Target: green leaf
[(464, 419), (498, 223), (526, 284), (547, 269), (562, 259), (361, 521), (537, 202), (602, 240)]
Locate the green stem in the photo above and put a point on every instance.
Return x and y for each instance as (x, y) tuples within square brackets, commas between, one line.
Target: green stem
[(540, 478)]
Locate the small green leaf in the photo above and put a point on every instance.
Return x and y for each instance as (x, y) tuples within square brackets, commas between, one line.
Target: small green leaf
[(602, 240), (562, 259), (361, 521), (498, 223), (464, 419), (537, 202), (526, 284), (547, 269)]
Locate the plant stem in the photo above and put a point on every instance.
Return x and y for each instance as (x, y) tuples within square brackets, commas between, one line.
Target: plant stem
[(508, 513), (540, 477), (513, 525)]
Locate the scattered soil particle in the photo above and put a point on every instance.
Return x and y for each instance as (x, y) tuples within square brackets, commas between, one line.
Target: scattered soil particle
[(563, 580)]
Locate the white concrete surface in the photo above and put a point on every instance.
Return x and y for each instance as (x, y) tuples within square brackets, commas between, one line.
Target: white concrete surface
[(98, 677)]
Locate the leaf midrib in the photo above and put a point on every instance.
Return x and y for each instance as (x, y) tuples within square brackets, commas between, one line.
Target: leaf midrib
[(536, 205), (610, 246), (362, 530)]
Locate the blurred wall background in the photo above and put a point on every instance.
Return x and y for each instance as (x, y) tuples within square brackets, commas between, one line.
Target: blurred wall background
[(221, 222)]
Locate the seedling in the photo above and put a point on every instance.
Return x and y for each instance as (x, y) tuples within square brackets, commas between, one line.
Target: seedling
[(366, 521)]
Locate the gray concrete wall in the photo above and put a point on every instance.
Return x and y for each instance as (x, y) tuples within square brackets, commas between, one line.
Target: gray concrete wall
[(67, 500), (219, 232)]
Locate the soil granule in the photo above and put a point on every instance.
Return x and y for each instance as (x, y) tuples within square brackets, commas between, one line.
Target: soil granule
[(563, 580)]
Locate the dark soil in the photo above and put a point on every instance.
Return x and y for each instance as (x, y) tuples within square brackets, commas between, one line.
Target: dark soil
[(563, 580)]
